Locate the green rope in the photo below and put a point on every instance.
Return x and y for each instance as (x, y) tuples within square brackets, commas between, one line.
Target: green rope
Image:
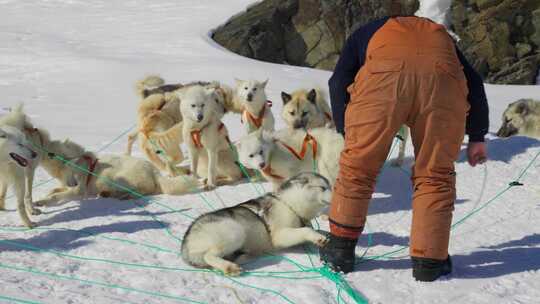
[(467, 216), (15, 300), (96, 283)]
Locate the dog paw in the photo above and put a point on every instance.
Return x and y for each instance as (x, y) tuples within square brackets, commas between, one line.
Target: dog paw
[(41, 203), (321, 240), (233, 270), (30, 225), (35, 211)]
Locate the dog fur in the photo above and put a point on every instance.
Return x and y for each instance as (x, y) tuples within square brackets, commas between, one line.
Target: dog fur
[(305, 109), (16, 161), (521, 118), (250, 99), (225, 238), (205, 135), (159, 122), (112, 176), (266, 151)]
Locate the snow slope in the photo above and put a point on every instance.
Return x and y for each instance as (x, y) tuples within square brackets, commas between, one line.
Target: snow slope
[(74, 63)]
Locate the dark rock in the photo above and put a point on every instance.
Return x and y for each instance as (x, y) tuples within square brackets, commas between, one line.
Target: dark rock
[(301, 32), (499, 37)]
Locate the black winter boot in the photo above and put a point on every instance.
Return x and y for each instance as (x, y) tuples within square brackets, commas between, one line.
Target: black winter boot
[(339, 254), (428, 270)]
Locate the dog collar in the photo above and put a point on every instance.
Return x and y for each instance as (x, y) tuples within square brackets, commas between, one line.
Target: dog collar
[(196, 136), (91, 167), (256, 121), (302, 154)]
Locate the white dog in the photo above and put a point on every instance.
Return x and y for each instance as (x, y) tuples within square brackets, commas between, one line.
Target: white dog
[(250, 97), (283, 154), (206, 136), (15, 158), (224, 238)]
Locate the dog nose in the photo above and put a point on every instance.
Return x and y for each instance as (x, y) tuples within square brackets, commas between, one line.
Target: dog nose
[(250, 97), (34, 154), (262, 165), (200, 117)]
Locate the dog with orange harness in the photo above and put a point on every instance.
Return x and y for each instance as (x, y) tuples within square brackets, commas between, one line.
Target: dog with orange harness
[(207, 139), (250, 98), (285, 153)]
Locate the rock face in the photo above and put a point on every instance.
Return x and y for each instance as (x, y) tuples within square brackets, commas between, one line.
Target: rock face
[(501, 38), (301, 32)]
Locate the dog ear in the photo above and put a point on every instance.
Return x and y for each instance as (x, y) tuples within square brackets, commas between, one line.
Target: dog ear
[(312, 96), (264, 83), (285, 97), (238, 82), (523, 109)]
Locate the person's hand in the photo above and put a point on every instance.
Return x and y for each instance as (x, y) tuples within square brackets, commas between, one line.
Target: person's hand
[(476, 153)]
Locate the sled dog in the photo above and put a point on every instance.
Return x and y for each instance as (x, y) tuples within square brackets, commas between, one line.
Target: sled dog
[(521, 118), (225, 238), (304, 109), (250, 98), (283, 154)]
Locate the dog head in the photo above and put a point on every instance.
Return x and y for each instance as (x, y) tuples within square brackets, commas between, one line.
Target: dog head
[(307, 193), (200, 104), (251, 91), (254, 149), (15, 147), (60, 154), (301, 111), (515, 118)]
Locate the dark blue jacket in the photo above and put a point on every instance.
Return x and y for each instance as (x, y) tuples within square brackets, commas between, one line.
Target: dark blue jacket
[(352, 59)]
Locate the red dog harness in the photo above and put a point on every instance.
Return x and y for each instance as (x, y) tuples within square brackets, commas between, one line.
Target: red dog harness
[(196, 136), (302, 154), (91, 164)]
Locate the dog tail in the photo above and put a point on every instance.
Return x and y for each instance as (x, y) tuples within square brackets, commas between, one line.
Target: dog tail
[(150, 81), (15, 117), (178, 185)]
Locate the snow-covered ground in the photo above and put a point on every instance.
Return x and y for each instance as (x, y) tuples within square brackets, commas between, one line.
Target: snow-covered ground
[(74, 64)]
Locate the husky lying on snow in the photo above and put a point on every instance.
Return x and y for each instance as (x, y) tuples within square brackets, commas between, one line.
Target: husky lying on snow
[(224, 238), (521, 118), (15, 159), (250, 99), (306, 110), (283, 154)]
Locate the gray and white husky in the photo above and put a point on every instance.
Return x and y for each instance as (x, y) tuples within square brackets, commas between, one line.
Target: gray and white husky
[(225, 238), (521, 118)]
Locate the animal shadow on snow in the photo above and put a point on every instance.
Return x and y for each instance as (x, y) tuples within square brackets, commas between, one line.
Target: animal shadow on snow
[(69, 239), (504, 149)]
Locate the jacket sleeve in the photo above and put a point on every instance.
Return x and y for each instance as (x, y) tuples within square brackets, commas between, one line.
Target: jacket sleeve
[(348, 65), (351, 60), (478, 118)]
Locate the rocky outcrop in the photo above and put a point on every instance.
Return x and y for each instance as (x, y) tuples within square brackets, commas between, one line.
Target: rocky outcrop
[(501, 38), (301, 32)]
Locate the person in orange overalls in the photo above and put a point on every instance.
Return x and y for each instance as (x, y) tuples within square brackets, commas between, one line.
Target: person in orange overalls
[(396, 71)]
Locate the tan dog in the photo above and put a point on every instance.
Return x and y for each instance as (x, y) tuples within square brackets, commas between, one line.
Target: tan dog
[(120, 177), (306, 110), (159, 121)]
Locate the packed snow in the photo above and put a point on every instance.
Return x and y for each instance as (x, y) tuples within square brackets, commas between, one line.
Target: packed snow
[(74, 64)]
